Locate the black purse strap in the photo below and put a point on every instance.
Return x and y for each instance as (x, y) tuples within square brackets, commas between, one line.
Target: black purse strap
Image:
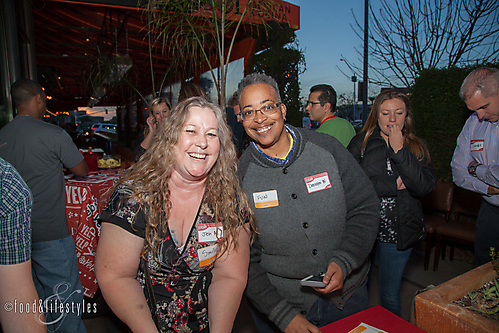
[(150, 293)]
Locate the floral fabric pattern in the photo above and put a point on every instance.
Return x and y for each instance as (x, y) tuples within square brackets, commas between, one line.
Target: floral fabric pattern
[(180, 278), (388, 214)]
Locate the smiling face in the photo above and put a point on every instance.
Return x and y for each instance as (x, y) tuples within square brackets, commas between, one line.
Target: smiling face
[(267, 130), (487, 108), (160, 111), (392, 112), (198, 145)]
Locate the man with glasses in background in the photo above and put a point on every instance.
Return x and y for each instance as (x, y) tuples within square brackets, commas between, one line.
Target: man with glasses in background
[(317, 214), (321, 106)]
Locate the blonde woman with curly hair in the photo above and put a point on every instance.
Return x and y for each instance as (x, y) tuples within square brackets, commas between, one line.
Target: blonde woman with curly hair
[(158, 110), (180, 207)]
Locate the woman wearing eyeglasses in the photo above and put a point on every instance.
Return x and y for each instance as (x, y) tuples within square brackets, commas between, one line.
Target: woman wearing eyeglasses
[(399, 166), (317, 214), (158, 110), (180, 208)]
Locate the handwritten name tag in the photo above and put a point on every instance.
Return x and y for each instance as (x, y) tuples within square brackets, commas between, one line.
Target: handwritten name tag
[(207, 255), (476, 145), (266, 199), (209, 232), (317, 182)]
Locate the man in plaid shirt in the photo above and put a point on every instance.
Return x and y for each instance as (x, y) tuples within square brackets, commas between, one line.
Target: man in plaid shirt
[(16, 283)]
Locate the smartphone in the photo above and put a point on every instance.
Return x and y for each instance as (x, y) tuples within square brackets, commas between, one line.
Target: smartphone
[(313, 281)]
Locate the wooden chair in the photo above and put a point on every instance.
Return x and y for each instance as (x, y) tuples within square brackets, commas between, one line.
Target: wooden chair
[(438, 201), (466, 203)]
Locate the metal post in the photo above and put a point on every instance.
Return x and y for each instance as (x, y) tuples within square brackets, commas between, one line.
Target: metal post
[(354, 80), (9, 58), (366, 52), (28, 56)]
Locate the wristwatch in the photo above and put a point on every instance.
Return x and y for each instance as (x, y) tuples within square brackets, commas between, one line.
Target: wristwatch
[(472, 169)]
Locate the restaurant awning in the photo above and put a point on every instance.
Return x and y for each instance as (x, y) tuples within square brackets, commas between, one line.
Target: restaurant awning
[(73, 38)]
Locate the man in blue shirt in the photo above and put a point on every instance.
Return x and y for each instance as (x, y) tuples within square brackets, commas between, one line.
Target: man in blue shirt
[(475, 164)]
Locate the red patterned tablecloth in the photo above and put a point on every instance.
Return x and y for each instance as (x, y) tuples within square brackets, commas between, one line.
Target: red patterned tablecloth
[(376, 316), (85, 199)]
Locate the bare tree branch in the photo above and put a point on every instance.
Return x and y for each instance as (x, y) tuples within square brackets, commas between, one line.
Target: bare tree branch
[(408, 36)]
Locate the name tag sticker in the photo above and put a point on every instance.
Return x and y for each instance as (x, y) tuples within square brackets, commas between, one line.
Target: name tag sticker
[(208, 232), (266, 199), (476, 145), (207, 255), (317, 182)]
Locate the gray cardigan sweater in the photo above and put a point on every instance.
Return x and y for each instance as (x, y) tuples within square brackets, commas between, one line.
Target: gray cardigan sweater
[(311, 226)]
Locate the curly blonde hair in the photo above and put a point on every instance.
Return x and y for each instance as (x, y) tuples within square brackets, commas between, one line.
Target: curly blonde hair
[(148, 179)]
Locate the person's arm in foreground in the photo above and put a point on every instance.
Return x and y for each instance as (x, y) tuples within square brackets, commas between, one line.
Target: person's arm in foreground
[(230, 275), (16, 287), (384, 185), (488, 174), (152, 127), (80, 170), (116, 268)]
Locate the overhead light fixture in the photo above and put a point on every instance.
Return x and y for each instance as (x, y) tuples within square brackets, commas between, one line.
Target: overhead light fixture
[(121, 65), (98, 93)]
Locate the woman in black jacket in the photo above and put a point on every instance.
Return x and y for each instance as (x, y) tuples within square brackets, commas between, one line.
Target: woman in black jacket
[(400, 168)]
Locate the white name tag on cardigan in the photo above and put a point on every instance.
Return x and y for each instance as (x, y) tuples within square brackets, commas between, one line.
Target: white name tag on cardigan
[(266, 199), (476, 145), (317, 182)]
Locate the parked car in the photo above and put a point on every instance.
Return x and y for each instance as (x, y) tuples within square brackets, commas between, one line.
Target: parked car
[(104, 130), (357, 123)]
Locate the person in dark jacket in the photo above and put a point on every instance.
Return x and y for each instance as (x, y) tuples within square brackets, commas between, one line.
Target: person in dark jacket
[(400, 168)]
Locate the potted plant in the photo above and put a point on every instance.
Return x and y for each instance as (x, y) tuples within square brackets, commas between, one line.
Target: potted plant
[(438, 311)]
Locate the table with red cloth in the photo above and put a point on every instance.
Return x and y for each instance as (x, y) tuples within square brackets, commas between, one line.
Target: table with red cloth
[(91, 156), (85, 199), (376, 316)]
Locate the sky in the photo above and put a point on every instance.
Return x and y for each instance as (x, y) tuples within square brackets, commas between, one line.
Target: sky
[(326, 36), (100, 111)]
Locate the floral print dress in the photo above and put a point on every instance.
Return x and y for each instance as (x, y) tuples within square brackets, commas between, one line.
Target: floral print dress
[(180, 276)]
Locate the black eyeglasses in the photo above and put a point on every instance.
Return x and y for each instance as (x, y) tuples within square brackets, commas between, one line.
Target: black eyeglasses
[(266, 110), (310, 102)]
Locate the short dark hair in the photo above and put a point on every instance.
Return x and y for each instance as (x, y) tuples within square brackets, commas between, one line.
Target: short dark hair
[(484, 80), (232, 101), (256, 78), (24, 90), (191, 89), (327, 95)]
